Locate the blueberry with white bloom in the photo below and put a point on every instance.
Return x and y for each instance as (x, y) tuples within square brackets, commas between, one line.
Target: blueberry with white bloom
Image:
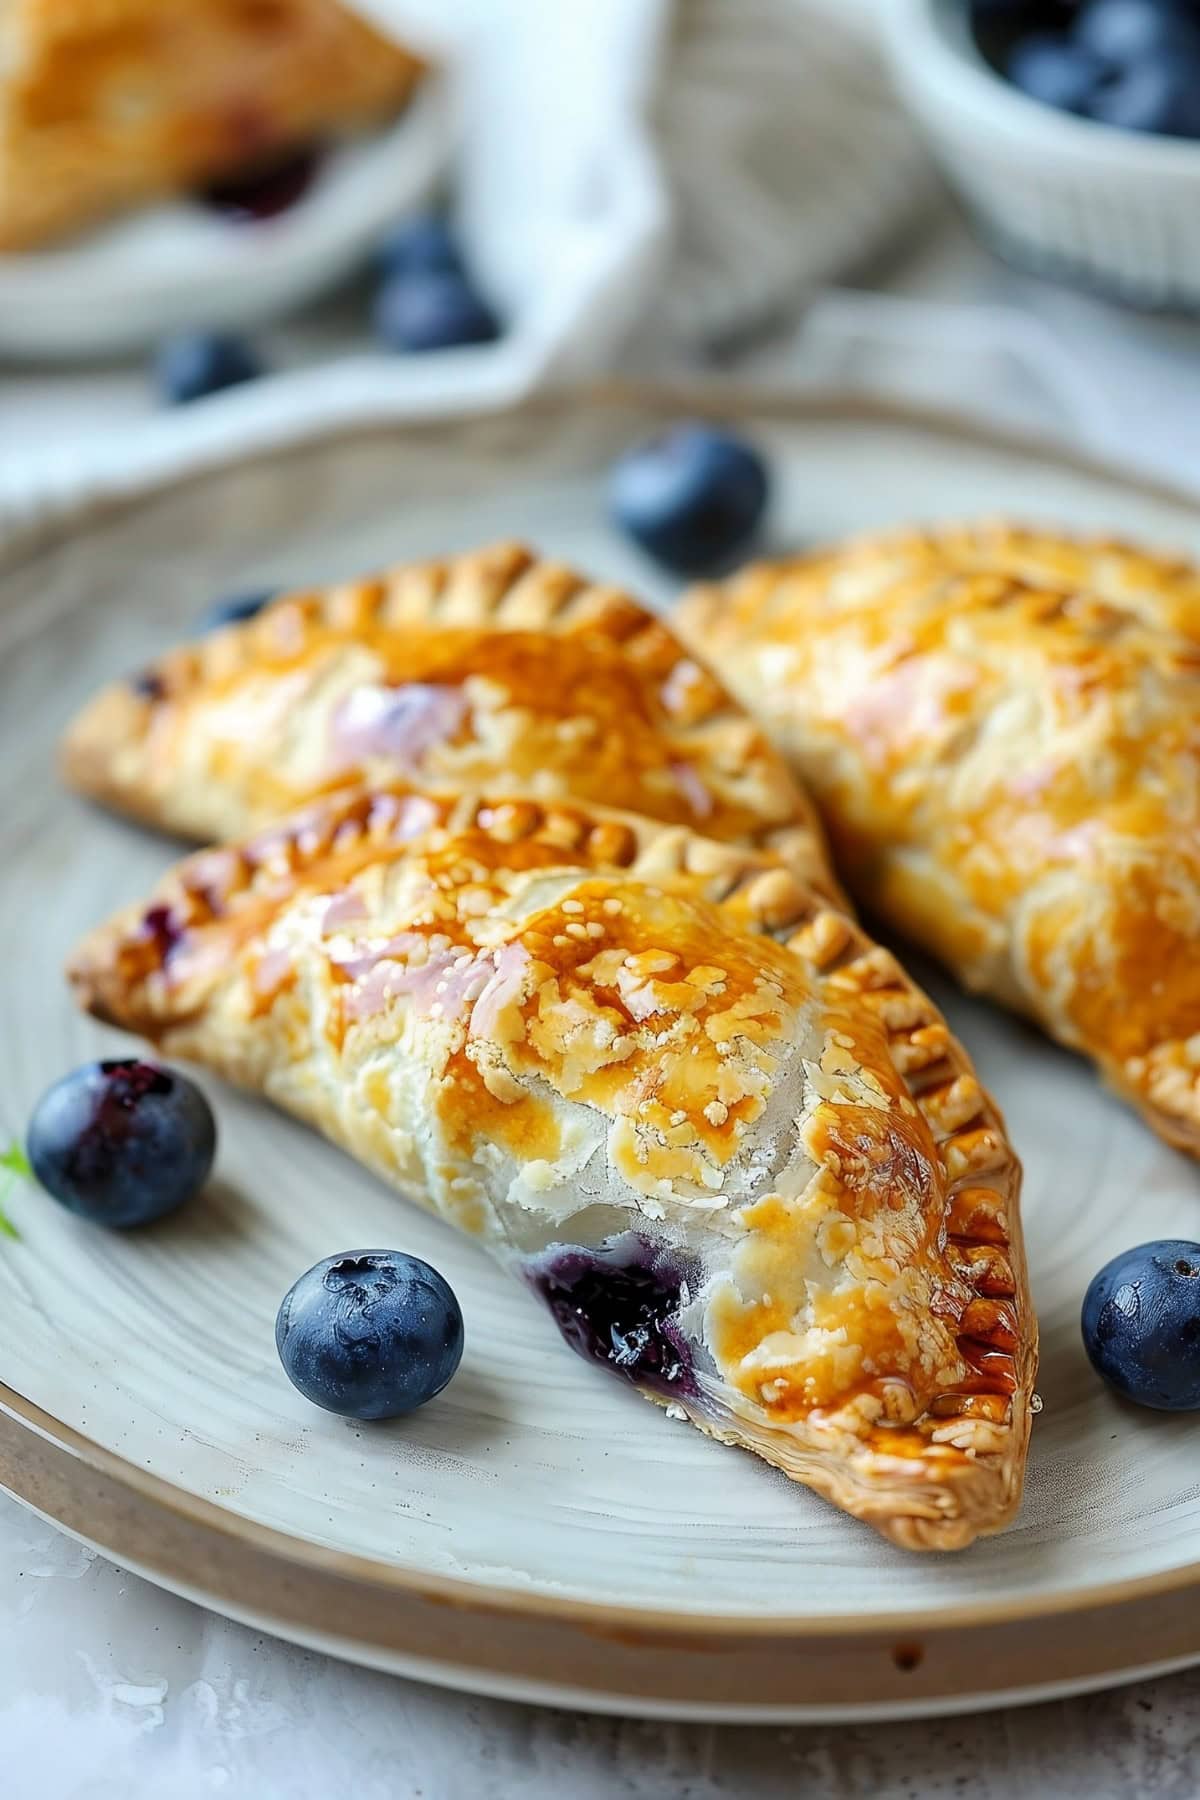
[(370, 1334)]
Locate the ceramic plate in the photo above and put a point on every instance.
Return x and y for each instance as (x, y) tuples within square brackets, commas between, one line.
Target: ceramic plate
[(178, 265), (538, 1531)]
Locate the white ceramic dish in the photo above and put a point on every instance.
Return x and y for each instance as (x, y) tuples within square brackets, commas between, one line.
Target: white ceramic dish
[(179, 265), (1119, 210), (538, 1531)]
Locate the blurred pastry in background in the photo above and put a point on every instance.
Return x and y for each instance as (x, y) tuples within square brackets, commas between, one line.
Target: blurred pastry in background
[(107, 104)]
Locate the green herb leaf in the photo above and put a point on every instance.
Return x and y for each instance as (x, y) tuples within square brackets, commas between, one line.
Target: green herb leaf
[(15, 1160), (15, 1165)]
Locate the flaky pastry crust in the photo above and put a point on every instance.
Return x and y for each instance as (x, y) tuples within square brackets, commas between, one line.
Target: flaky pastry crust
[(495, 669), (106, 104), (735, 1150), (1002, 727)]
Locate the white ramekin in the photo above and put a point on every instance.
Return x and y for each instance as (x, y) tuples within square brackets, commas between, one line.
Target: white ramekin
[(1119, 210)]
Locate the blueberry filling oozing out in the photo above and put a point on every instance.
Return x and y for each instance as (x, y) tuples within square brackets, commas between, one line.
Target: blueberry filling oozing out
[(618, 1305), (267, 188)]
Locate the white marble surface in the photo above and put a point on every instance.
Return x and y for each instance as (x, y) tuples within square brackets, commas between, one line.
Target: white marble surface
[(112, 1690)]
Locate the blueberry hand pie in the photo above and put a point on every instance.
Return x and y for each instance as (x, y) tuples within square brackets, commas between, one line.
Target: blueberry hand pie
[(1003, 730), (106, 104), (493, 670), (720, 1136)]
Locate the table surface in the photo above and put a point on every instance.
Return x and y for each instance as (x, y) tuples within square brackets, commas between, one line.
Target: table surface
[(113, 1690)]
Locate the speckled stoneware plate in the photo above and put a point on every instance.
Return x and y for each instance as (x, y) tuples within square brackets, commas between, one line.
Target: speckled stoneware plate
[(538, 1531)]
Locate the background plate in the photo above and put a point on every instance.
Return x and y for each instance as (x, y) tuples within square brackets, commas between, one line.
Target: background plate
[(179, 265), (538, 1531)]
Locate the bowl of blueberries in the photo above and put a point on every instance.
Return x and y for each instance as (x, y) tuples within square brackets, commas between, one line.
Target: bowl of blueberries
[(1071, 128)]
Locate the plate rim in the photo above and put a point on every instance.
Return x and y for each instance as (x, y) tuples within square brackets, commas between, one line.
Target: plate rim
[(537, 1648), (309, 1553), (965, 1627), (53, 505)]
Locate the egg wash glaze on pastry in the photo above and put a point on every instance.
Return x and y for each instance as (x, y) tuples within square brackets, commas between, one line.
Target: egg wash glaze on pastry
[(1002, 727), (494, 669), (734, 1150)]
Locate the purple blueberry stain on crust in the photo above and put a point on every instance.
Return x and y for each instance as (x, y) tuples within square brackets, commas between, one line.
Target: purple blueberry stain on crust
[(164, 930), (148, 685), (618, 1305), (403, 723)]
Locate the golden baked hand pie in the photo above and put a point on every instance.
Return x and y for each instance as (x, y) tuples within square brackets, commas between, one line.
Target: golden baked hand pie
[(1003, 730), (493, 670), (105, 104), (733, 1149)]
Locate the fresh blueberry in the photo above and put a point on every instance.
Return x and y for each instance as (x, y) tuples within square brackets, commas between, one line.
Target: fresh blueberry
[(1038, 12), (371, 1334), (998, 25), (122, 1143), (1026, 15), (1141, 1324), (425, 243), (1056, 72), (1126, 31), (197, 363), (618, 1306), (431, 309), (267, 190), (1160, 94), (693, 497), (235, 609)]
